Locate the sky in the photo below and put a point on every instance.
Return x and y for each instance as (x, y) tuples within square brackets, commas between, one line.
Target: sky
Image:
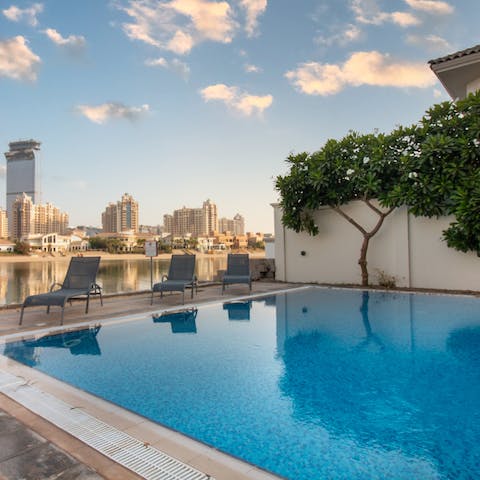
[(179, 101)]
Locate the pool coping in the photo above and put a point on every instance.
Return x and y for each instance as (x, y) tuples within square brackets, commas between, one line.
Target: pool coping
[(193, 453)]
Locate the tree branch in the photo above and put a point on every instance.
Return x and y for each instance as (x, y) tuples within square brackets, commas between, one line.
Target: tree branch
[(383, 215), (372, 206), (349, 219)]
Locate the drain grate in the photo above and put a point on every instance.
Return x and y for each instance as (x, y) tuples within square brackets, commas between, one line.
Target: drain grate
[(144, 460)]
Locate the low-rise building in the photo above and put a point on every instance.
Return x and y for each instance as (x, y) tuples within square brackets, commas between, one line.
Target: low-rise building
[(56, 243), (6, 246)]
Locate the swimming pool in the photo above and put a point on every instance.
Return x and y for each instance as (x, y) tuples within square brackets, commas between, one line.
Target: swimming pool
[(310, 384)]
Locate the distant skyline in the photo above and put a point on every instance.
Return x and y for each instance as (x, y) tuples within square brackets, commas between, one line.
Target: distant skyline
[(177, 101)]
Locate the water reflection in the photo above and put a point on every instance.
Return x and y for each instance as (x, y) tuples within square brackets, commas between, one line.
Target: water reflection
[(238, 310), (180, 322), (464, 343), (19, 280), (389, 389), (81, 342), (371, 338)]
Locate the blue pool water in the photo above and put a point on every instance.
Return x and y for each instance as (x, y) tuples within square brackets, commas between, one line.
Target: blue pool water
[(311, 384)]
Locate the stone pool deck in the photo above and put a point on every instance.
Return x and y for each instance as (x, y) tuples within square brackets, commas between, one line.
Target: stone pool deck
[(33, 448)]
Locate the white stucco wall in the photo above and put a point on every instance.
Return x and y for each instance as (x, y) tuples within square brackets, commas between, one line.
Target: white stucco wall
[(472, 87), (407, 248)]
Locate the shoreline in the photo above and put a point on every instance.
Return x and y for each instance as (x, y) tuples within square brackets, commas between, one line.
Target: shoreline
[(113, 256)]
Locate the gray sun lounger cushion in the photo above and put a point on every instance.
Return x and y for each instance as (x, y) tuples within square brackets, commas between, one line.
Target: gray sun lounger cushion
[(238, 270), (181, 274), (79, 282)]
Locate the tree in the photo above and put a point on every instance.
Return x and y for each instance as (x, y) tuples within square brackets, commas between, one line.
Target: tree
[(97, 243), (357, 167), (22, 248), (115, 245), (441, 175), (432, 167)]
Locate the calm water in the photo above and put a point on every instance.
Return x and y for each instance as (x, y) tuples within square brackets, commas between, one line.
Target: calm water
[(18, 280), (313, 384)]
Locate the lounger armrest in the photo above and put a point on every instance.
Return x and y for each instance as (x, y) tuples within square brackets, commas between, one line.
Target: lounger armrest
[(54, 285), (96, 288)]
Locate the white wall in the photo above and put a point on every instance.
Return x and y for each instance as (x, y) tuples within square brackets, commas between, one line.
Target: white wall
[(407, 248), (473, 86)]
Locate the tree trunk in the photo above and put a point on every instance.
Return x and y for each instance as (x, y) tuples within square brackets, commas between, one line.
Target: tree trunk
[(362, 261), (367, 235)]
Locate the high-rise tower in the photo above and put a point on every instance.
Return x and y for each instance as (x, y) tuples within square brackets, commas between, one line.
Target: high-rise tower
[(22, 173), (121, 216)]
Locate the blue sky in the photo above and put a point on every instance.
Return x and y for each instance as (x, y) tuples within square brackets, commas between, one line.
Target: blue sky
[(177, 101)]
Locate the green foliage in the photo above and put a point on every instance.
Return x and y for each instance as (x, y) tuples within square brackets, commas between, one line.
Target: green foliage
[(22, 248), (355, 167), (111, 245), (164, 247), (97, 243), (442, 169), (433, 167)]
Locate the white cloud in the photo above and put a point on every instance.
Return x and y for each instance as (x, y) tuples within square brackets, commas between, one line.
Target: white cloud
[(403, 19), (72, 43), (234, 98), (107, 111), (362, 68), (435, 7), (249, 68), (156, 62), (211, 19), (254, 8), (368, 12), (28, 15), (176, 65), (3, 171), (347, 35), (179, 25), (431, 42), (181, 43), (437, 93), (17, 61)]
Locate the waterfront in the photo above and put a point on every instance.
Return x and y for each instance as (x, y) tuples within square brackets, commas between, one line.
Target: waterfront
[(18, 279)]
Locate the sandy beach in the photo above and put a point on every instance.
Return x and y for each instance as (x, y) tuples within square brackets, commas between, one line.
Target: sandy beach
[(111, 256)]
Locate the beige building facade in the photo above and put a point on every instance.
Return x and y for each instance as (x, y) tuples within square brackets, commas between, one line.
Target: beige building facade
[(121, 216), (29, 218), (195, 222), (3, 223)]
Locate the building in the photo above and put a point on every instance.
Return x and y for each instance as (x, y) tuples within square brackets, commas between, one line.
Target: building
[(225, 225), (29, 218), (6, 246), (235, 225), (3, 223), (22, 172), (168, 223), (22, 217), (109, 218), (459, 72), (121, 216), (210, 217), (195, 222), (238, 224)]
